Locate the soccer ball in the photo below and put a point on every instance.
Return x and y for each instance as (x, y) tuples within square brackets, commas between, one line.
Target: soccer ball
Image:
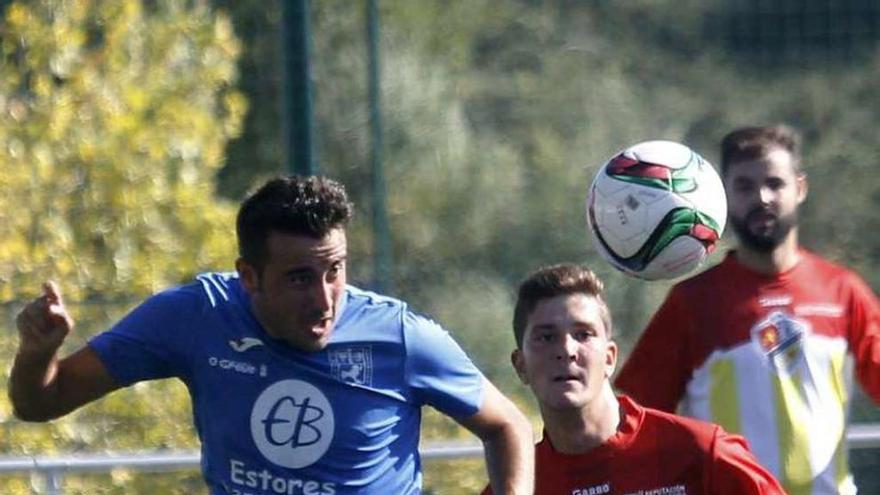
[(656, 210)]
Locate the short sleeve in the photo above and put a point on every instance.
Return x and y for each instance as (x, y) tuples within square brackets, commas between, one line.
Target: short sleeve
[(438, 371), (151, 341), (734, 469), (864, 335)]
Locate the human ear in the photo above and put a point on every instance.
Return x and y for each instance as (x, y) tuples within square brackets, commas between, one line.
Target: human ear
[(516, 359), (803, 186), (610, 358), (248, 275)]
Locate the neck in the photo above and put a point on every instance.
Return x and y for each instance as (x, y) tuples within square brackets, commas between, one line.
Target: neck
[(580, 430), (782, 258)]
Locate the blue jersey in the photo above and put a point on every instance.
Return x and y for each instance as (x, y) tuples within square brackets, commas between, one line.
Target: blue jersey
[(275, 420)]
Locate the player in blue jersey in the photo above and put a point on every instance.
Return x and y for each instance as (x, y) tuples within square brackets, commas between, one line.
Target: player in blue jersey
[(300, 383)]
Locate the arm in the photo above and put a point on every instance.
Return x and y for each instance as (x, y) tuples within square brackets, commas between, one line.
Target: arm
[(864, 337), (42, 386), (735, 471), (657, 370), (507, 439)]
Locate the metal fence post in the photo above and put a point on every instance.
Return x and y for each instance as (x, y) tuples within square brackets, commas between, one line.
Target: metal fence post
[(54, 482)]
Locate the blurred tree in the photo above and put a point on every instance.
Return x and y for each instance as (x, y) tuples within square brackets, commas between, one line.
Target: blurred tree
[(114, 121), (258, 151), (114, 116)]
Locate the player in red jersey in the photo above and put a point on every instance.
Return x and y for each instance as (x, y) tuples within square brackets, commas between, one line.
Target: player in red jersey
[(759, 344), (596, 443)]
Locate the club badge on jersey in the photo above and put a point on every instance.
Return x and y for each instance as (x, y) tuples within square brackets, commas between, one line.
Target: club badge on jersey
[(781, 337), (352, 365)]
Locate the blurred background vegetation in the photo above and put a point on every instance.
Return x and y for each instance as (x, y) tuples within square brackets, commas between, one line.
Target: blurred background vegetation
[(130, 129)]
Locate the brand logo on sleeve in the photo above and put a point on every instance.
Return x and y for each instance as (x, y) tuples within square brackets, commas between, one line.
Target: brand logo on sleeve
[(245, 343), (352, 365), (292, 423)]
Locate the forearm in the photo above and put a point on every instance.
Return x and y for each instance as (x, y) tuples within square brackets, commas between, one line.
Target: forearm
[(510, 458), (867, 365), (44, 387), (33, 387)]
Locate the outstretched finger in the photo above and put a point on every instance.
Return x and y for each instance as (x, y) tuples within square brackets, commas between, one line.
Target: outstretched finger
[(55, 304), (52, 293)]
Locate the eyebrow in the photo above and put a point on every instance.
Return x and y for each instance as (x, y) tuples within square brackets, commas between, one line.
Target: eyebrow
[(544, 326), (299, 271), (553, 326)]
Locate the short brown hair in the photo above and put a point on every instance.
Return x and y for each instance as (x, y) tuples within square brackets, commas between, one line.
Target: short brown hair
[(552, 281), (753, 143)]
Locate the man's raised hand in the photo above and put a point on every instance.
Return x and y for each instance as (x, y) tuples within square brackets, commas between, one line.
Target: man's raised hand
[(44, 323)]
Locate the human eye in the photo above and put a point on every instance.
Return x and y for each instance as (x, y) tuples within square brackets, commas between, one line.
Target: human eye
[(582, 335), (300, 279), (335, 269), (742, 186), (775, 184)]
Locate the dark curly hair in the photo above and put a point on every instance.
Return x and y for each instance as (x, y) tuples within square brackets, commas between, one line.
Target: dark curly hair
[(301, 205)]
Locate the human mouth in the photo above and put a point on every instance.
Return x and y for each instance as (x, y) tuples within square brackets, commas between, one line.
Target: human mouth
[(565, 378), (321, 325), (761, 219)]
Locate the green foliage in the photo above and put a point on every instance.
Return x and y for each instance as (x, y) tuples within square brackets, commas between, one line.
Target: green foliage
[(114, 117), (114, 120)]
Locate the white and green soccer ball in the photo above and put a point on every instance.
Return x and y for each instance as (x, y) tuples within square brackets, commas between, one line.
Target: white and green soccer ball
[(656, 210)]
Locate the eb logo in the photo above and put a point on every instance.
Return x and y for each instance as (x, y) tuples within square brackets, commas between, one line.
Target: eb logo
[(292, 423)]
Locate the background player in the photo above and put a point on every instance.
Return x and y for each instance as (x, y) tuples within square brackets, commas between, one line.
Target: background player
[(759, 343)]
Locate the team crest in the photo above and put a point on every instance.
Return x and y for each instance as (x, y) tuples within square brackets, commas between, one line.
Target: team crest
[(352, 365), (780, 337)]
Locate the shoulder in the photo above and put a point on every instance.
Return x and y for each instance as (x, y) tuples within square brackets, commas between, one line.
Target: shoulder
[(208, 292), (368, 316), (360, 303), (815, 264), (213, 287), (365, 306), (361, 299), (708, 278), (833, 276), (682, 432)]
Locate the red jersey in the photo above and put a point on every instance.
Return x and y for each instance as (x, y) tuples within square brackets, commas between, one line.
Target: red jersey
[(765, 356), (654, 452)]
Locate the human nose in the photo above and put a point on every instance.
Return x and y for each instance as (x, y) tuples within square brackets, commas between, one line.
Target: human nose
[(567, 349), (765, 195), (324, 295)]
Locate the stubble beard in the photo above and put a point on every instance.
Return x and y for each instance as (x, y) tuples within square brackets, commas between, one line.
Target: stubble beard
[(763, 242)]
